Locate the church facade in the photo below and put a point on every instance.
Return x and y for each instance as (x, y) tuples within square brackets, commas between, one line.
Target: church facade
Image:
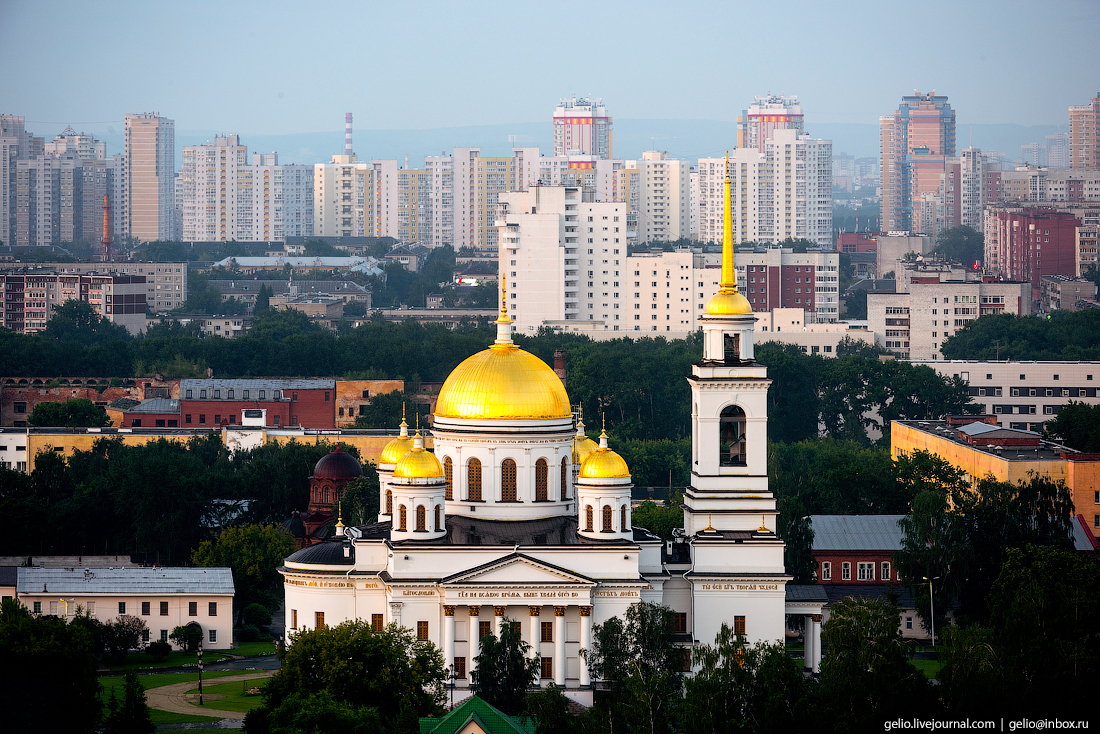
[(518, 515)]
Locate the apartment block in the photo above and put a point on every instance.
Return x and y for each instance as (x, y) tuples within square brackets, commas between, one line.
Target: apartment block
[(29, 299), (663, 215), (165, 283), (582, 127), (150, 177), (1085, 248), (1065, 292), (751, 195), (1026, 244), (912, 325), (343, 197), (766, 116), (915, 143), (781, 278), (1084, 134)]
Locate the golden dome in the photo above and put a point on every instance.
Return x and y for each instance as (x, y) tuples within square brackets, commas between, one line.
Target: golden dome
[(727, 304), (583, 446), (503, 382), (418, 463), (395, 449), (603, 463)]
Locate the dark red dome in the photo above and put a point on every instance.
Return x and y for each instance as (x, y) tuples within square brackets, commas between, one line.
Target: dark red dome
[(337, 465)]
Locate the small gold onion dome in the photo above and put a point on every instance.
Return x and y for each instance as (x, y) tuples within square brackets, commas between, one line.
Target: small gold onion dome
[(583, 446), (418, 463), (503, 381), (727, 303), (604, 463), (399, 446)]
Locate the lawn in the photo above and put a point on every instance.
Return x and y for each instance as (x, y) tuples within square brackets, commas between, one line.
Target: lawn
[(116, 682), (175, 659), (235, 697), (930, 668), (252, 649)]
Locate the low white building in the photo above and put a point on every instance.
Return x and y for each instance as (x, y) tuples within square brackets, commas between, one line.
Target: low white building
[(163, 598)]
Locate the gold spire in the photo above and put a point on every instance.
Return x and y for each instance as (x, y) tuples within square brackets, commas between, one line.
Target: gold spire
[(727, 301), (504, 322), (729, 277), (763, 527), (339, 519)]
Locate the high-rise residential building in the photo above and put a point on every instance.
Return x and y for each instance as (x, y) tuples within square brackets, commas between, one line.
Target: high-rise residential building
[(343, 197), (216, 189), (38, 202), (582, 127), (916, 142), (765, 116), (752, 197), (282, 199), (82, 144), (150, 177), (1084, 134), (1034, 154), (16, 144), (1058, 150), (441, 170), (971, 185), (663, 214), (1024, 244)]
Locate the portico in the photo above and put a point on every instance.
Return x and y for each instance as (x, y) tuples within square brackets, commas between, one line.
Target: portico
[(807, 601)]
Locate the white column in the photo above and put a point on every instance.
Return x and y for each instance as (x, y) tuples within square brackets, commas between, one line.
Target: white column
[(808, 641), (474, 644), (448, 635), (498, 618), (559, 646), (536, 632), (586, 637), (817, 643)]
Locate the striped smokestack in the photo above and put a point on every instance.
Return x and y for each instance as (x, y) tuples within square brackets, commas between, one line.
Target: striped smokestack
[(347, 134)]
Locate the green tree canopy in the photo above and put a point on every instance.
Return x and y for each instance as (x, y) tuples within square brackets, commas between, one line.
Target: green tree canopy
[(76, 321), (78, 412), (505, 669), (1077, 425), (963, 244), (1064, 335), (351, 665), (254, 552)]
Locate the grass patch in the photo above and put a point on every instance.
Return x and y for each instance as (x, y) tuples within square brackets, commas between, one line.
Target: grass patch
[(175, 659), (930, 668), (117, 682), (235, 697), (252, 649)]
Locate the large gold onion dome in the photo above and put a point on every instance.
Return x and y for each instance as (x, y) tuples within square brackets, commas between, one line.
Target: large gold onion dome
[(604, 463), (503, 382), (418, 463), (399, 446)]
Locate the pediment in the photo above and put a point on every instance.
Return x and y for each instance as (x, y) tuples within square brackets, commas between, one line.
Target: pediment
[(517, 569)]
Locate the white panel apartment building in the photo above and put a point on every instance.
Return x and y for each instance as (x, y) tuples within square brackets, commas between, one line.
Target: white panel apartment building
[(282, 199), (751, 193), (914, 325), (663, 214), (342, 197), (441, 170)]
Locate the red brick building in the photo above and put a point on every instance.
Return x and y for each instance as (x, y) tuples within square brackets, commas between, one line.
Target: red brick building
[(856, 549), (213, 402), (1027, 244), (857, 241)]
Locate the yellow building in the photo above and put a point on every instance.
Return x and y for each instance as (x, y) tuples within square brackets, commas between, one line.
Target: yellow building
[(1006, 463)]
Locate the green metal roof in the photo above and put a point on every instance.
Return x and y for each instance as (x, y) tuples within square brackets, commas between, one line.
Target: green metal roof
[(490, 719)]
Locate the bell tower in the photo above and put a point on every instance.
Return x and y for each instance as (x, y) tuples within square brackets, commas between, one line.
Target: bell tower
[(729, 414)]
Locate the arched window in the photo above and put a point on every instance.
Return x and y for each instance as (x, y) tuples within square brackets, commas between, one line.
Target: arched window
[(624, 526), (588, 518), (731, 437), (403, 516), (606, 518), (421, 519), (564, 479), (438, 518), (473, 481), (389, 503), (731, 348), (324, 496), (508, 481), (448, 473), (541, 470)]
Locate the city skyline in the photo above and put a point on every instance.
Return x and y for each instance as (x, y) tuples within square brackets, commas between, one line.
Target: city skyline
[(277, 83)]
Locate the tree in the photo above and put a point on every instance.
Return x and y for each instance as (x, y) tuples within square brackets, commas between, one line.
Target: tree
[(797, 532), (1077, 425), (866, 677), (78, 412), (385, 410), (263, 299), (389, 673), (47, 672), (315, 712), (1063, 335), (741, 688), (1041, 611), (642, 666), (359, 504), (548, 709), (187, 637), (76, 321), (123, 635), (355, 308), (961, 244), (254, 552), (131, 715), (661, 519), (505, 669)]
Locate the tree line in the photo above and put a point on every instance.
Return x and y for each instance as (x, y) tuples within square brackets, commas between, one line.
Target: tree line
[(1062, 335)]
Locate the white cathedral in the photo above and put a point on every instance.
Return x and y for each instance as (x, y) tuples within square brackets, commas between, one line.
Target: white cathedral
[(519, 515)]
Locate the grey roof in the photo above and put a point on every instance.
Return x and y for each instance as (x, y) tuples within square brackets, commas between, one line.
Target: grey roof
[(806, 592), (1082, 540), (273, 383), (836, 592), (280, 287), (327, 553), (857, 532), (156, 405), (9, 575), (977, 428), (303, 261), (128, 580)]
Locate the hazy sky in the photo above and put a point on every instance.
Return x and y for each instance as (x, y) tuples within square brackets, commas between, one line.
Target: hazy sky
[(272, 67)]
